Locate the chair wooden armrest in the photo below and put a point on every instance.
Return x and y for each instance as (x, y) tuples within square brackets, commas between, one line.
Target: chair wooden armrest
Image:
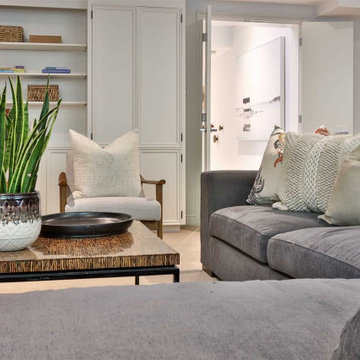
[(63, 191), (159, 197)]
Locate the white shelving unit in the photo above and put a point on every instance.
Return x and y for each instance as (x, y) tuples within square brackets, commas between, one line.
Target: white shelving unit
[(63, 103), (42, 46), (71, 24), (42, 75)]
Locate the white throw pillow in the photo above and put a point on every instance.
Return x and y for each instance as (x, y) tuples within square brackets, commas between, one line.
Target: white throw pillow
[(311, 163), (344, 204), (110, 171)]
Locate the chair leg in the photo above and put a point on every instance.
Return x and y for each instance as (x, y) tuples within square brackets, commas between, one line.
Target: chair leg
[(160, 229)]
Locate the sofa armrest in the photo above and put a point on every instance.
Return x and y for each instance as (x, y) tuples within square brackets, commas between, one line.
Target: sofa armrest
[(220, 189)]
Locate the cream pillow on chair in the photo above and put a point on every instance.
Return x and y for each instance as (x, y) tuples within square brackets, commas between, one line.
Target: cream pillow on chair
[(110, 171)]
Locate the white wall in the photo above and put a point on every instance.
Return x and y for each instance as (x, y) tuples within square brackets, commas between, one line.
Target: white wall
[(245, 37), (356, 77), (233, 10), (229, 10)]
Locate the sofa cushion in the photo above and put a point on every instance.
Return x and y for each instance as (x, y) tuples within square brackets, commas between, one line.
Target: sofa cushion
[(332, 252), (248, 228), (262, 320), (349, 345), (139, 208)]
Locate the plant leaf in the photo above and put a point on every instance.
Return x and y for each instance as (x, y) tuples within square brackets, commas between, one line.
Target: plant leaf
[(46, 104), (15, 181), (29, 172), (2, 134)]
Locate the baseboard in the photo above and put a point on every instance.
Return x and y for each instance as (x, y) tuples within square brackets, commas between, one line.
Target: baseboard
[(192, 220), (171, 228)]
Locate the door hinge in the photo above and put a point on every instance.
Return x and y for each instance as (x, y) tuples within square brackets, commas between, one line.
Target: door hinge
[(181, 214), (204, 37), (181, 158), (203, 117), (300, 119), (181, 137), (91, 136), (181, 18), (92, 14), (300, 41)]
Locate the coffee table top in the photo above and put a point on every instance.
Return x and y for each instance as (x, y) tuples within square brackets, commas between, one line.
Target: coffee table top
[(138, 247)]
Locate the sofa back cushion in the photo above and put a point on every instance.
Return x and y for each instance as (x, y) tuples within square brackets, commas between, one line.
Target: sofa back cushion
[(344, 204), (311, 163)]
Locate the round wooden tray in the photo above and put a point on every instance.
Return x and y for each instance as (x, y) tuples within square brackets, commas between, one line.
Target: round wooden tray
[(85, 224)]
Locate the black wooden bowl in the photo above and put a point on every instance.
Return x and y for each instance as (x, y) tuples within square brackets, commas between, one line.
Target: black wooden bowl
[(85, 224)]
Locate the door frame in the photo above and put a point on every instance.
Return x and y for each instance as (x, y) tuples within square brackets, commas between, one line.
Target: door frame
[(228, 17)]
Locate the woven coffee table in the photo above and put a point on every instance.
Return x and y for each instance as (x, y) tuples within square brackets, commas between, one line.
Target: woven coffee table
[(137, 252)]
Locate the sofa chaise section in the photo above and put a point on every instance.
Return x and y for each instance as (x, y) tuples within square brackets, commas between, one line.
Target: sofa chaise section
[(273, 320)]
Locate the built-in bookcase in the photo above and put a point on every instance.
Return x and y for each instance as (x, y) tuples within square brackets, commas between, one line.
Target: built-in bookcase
[(71, 24)]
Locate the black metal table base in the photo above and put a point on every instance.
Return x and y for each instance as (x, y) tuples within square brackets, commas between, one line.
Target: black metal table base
[(94, 273)]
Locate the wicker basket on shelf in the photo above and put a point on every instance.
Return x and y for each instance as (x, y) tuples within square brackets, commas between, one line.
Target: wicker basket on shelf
[(37, 92), (11, 33)]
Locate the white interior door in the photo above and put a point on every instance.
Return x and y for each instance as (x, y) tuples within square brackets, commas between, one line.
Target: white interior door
[(206, 91), (327, 76), (159, 105)]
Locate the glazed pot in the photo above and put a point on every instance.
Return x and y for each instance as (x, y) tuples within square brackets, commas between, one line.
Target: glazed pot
[(20, 220)]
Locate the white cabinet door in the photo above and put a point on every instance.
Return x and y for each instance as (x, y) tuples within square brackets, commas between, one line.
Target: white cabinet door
[(164, 164), (328, 81), (113, 72), (159, 76)]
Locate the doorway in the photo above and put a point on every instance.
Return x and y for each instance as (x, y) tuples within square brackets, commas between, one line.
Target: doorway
[(253, 86)]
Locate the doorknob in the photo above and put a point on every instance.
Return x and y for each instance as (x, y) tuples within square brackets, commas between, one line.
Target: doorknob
[(215, 138), (204, 130)]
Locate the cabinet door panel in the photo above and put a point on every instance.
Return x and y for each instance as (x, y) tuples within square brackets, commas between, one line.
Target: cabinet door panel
[(159, 76), (113, 70), (156, 165)]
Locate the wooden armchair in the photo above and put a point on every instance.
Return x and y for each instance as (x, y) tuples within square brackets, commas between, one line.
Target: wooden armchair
[(152, 225)]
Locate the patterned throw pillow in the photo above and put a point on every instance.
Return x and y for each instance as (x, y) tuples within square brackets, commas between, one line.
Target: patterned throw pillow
[(311, 163), (266, 186)]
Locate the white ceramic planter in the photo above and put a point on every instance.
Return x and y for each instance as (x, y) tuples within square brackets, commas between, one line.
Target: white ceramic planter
[(20, 220)]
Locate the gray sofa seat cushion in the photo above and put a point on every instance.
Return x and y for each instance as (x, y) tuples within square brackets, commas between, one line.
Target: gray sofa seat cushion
[(249, 228), (332, 252), (299, 319), (349, 345)]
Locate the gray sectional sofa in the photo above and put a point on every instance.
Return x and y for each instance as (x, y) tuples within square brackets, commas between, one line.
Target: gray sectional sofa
[(247, 242), (300, 319)]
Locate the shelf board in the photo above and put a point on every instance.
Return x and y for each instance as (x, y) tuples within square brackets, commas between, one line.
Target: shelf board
[(64, 103), (41, 75), (42, 46)]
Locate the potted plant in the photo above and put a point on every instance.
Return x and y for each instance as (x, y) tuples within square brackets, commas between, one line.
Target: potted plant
[(21, 148)]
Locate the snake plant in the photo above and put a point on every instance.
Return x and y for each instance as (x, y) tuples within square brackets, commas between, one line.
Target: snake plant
[(22, 145)]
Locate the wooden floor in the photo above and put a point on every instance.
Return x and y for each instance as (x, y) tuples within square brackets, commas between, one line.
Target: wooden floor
[(186, 241)]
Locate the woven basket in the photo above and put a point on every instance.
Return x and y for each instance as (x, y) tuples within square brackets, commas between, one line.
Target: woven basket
[(11, 33), (37, 92)]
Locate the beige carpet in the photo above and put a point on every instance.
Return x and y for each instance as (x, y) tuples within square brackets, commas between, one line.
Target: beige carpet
[(186, 241)]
